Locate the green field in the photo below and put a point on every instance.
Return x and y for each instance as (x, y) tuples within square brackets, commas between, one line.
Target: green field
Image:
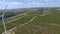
[(46, 24)]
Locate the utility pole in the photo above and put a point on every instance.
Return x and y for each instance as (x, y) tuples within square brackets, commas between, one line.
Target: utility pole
[(4, 21)]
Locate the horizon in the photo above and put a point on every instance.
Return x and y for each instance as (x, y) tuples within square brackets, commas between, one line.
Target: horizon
[(15, 4), (28, 8)]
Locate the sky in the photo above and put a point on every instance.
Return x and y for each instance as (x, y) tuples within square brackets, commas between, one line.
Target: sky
[(14, 4)]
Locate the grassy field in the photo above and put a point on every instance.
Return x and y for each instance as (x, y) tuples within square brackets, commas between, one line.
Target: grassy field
[(46, 24), (16, 23)]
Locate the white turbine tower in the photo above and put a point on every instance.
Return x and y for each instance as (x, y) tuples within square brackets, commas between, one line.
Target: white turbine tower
[(44, 11), (4, 21), (45, 8)]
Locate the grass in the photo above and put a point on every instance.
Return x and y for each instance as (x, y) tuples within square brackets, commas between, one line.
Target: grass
[(37, 29), (35, 12), (16, 23), (40, 25), (1, 27)]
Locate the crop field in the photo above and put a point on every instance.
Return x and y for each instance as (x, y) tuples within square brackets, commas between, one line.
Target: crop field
[(36, 22)]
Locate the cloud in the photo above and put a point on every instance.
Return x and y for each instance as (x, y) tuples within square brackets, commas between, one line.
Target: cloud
[(16, 3), (46, 0), (31, 3), (2, 2), (10, 4)]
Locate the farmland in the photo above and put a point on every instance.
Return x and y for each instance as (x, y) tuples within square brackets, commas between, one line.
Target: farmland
[(48, 24), (44, 23)]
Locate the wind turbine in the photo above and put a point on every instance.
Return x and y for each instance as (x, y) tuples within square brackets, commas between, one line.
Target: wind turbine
[(4, 21), (44, 11)]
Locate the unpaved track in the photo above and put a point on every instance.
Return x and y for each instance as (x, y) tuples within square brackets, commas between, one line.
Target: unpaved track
[(29, 21), (47, 12), (23, 24), (18, 15), (15, 19), (53, 24)]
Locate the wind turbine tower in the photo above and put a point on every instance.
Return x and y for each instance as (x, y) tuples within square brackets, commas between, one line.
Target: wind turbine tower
[(3, 20)]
